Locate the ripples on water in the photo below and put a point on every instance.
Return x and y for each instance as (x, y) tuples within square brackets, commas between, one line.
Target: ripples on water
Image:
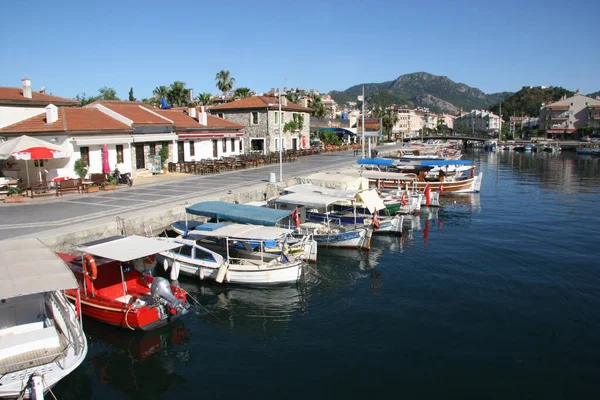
[(495, 296)]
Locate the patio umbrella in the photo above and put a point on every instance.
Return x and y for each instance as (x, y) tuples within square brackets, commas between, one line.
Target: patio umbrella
[(105, 164), (29, 148)]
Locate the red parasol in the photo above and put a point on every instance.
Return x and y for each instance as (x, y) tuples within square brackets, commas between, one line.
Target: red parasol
[(105, 163)]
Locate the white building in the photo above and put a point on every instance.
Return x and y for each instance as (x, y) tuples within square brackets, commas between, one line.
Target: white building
[(479, 121)]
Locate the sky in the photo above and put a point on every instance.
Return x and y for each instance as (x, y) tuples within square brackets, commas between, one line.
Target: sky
[(73, 46)]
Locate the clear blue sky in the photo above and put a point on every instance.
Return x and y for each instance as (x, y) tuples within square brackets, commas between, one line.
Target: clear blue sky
[(74, 46)]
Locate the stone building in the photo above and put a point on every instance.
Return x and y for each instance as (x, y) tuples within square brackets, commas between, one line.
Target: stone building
[(260, 117)]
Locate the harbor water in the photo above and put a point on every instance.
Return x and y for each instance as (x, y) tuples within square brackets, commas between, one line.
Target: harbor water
[(496, 296)]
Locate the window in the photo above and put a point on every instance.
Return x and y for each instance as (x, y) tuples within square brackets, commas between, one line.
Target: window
[(120, 154), (254, 118), (232, 144), (200, 254), (85, 155), (241, 145), (257, 145), (185, 251), (192, 153), (220, 115), (276, 117), (152, 149), (224, 145)]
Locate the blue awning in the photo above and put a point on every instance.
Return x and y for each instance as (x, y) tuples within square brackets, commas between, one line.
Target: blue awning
[(441, 163), (240, 213), (383, 162)]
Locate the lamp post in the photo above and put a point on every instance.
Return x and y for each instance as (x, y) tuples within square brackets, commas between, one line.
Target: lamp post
[(280, 139), (362, 98)]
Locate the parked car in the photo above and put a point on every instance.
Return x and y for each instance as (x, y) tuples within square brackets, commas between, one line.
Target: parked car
[(585, 138)]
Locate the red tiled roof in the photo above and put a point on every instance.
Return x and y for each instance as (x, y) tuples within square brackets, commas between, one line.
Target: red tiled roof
[(70, 119), (254, 102), (184, 118), (139, 113), (11, 95)]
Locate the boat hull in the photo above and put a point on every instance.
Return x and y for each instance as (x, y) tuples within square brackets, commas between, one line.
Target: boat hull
[(469, 185), (354, 239)]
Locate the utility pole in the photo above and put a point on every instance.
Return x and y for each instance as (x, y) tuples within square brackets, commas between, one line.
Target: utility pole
[(500, 123), (363, 122), (280, 140)]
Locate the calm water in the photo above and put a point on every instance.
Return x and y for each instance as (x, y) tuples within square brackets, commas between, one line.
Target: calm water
[(496, 297)]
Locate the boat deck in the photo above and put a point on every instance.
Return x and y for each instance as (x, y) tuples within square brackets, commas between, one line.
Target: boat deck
[(34, 358)]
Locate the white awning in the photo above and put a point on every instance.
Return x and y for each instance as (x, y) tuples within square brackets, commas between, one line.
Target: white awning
[(310, 199), (100, 140), (242, 231), (28, 266), (336, 181), (126, 248), (371, 200), (154, 137), (310, 188)]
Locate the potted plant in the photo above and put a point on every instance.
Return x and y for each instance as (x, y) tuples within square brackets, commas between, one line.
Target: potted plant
[(92, 188), (13, 196), (110, 184), (81, 168), (164, 156)]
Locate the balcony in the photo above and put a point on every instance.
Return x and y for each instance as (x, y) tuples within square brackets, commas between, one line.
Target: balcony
[(559, 116), (559, 126)]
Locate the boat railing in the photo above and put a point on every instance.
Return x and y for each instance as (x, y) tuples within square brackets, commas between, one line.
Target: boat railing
[(66, 323)]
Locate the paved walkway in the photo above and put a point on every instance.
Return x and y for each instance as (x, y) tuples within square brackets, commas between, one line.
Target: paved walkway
[(48, 214)]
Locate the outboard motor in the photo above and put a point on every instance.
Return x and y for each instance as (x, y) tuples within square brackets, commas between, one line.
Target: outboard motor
[(161, 289)]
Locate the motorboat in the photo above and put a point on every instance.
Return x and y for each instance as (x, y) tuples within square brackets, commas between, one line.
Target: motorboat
[(584, 149), (41, 334), (550, 147), (195, 260), (261, 221), (116, 288)]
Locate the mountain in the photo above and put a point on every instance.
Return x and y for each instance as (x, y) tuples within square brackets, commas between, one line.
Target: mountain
[(421, 89), (528, 101), (593, 95)]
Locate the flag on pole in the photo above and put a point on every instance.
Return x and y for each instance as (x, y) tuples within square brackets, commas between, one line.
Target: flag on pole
[(442, 188), (285, 252), (375, 222)]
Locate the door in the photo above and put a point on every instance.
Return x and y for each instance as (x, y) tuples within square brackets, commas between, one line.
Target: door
[(294, 143), (180, 153), (140, 162), (215, 149)]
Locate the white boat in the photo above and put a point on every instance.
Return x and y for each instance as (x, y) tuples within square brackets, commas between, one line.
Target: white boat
[(584, 149), (194, 260), (41, 334), (253, 219), (327, 234)]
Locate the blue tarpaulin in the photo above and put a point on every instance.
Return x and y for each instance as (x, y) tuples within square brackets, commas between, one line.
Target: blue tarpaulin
[(383, 162), (441, 163), (240, 213)]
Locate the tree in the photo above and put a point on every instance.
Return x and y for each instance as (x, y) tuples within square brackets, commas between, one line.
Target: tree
[(107, 93), (84, 99), (389, 119), (329, 137), (318, 107), (293, 97), (224, 82), (440, 125), (241, 93), (160, 92), (131, 96), (295, 125), (205, 99), (178, 94)]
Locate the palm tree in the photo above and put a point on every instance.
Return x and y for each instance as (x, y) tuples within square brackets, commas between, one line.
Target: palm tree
[(160, 92), (205, 99), (178, 94), (318, 107), (241, 93), (224, 82), (390, 118)]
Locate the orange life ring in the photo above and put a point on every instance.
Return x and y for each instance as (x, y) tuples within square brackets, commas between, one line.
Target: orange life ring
[(91, 263), (149, 260)]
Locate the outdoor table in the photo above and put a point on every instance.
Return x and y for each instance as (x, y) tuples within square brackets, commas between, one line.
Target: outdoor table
[(85, 184)]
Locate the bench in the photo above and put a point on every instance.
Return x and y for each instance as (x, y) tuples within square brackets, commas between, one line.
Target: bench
[(41, 189), (98, 179), (68, 185)]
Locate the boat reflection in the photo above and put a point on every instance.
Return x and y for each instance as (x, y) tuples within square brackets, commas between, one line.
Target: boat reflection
[(141, 365), (263, 308)]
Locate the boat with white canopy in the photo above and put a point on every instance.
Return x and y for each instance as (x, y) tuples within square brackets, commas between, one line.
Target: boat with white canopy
[(41, 334), (329, 233)]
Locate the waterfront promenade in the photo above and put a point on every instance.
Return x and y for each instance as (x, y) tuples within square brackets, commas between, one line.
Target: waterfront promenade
[(58, 216)]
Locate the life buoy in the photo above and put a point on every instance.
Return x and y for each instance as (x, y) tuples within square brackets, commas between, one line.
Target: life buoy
[(149, 260), (90, 267)]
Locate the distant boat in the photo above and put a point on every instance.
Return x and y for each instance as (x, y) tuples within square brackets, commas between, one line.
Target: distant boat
[(584, 149), (41, 334)]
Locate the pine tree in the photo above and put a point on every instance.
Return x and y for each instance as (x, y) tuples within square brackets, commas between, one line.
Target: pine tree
[(131, 98)]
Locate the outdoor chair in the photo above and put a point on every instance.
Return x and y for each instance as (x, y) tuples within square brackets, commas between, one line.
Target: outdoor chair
[(41, 189), (68, 185)]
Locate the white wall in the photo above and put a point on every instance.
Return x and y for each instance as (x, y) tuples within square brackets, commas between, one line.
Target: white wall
[(12, 115)]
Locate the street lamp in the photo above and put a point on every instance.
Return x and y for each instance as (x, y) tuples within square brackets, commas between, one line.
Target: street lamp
[(362, 99), (280, 139)]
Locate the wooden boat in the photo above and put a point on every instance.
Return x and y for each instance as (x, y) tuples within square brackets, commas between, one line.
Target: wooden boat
[(115, 289), (41, 334), (259, 220), (393, 180), (195, 260)]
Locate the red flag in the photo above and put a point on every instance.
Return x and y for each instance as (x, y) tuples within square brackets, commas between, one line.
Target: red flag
[(375, 222), (442, 188), (296, 218), (427, 195), (473, 172), (404, 196)]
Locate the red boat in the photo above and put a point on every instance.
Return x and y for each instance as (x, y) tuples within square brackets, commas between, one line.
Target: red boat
[(115, 288)]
